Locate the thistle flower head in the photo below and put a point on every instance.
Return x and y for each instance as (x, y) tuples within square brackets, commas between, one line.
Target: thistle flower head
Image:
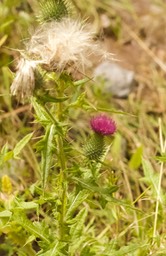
[(95, 147), (24, 81), (63, 44), (103, 125)]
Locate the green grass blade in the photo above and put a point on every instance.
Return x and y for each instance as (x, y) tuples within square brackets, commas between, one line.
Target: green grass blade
[(47, 153), (151, 178)]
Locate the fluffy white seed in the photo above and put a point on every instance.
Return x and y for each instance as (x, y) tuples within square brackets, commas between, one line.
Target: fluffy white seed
[(24, 81), (60, 45)]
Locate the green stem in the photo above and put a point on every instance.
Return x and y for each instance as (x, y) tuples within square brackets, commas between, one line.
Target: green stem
[(62, 177), (50, 115)]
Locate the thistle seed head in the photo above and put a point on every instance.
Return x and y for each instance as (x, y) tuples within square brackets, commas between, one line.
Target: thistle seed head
[(59, 45), (24, 81)]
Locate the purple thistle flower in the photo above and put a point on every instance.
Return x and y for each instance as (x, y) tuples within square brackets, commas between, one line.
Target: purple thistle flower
[(103, 125)]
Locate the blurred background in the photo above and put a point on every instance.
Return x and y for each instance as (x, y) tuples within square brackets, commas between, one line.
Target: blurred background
[(133, 82)]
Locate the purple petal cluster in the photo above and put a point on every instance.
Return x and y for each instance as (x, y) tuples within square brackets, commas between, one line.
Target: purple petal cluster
[(103, 125)]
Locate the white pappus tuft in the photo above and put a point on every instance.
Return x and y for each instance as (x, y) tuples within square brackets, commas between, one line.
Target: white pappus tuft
[(24, 81), (60, 45), (56, 46)]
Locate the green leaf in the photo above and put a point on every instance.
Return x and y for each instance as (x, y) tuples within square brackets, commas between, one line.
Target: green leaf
[(30, 239), (44, 116), (78, 102), (5, 214), (27, 205), (3, 40), (76, 201), (151, 178), (161, 158), (55, 250), (82, 81), (9, 155), (106, 193), (93, 187), (5, 155), (41, 114), (77, 224), (111, 110), (34, 229), (136, 158), (47, 153), (48, 98), (21, 144), (6, 24), (125, 250), (116, 147)]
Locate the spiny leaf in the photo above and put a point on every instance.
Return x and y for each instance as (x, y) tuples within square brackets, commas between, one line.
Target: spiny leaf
[(5, 214), (111, 110), (20, 217), (21, 144), (93, 187), (131, 248), (106, 193), (77, 224), (27, 205), (77, 101), (55, 250), (48, 98), (41, 115), (76, 201), (30, 239), (44, 116), (82, 81), (5, 156)]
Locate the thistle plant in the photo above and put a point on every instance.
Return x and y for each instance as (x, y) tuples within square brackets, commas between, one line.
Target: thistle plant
[(60, 46)]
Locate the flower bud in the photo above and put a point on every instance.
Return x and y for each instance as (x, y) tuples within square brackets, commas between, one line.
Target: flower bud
[(95, 147), (53, 10)]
